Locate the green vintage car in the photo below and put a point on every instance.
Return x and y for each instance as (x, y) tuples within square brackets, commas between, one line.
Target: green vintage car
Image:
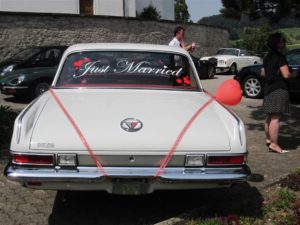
[(27, 83)]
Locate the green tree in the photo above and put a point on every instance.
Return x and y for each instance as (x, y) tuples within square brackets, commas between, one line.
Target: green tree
[(255, 39), (274, 10), (150, 13), (181, 11), (236, 8)]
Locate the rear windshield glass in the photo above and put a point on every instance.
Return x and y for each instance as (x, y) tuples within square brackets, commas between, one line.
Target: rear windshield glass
[(121, 69)]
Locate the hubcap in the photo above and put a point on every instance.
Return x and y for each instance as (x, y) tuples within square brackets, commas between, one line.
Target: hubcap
[(41, 88), (252, 87)]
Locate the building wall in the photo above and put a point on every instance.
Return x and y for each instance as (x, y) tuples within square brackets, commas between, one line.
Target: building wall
[(130, 8), (164, 7), (115, 8), (21, 31), (40, 6), (108, 7)]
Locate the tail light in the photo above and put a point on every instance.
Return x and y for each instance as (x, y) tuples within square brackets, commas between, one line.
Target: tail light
[(32, 159), (225, 160)]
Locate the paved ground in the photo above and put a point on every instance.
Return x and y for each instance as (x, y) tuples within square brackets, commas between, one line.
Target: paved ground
[(21, 206)]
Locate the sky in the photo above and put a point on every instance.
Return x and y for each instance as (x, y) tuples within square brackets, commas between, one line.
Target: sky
[(202, 8)]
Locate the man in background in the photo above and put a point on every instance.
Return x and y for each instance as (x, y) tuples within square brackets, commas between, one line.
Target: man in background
[(178, 40)]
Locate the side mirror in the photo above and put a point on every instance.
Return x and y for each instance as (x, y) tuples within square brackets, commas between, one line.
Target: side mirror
[(229, 93)]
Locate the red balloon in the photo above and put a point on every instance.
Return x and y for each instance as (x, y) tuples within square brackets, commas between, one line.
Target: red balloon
[(229, 92)]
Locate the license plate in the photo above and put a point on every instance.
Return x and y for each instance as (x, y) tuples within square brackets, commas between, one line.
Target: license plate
[(127, 188)]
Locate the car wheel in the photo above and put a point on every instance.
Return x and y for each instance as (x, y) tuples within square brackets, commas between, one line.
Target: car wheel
[(211, 71), (39, 88), (252, 87), (233, 69)]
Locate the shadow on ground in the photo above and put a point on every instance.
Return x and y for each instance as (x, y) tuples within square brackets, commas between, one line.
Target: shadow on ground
[(18, 100), (101, 208)]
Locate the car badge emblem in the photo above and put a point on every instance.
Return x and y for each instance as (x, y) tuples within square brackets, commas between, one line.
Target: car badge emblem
[(131, 125)]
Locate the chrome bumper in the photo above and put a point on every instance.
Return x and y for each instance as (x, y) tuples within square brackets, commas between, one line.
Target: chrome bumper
[(85, 174)]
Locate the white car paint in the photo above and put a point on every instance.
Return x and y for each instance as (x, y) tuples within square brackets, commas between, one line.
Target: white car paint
[(235, 56), (44, 128)]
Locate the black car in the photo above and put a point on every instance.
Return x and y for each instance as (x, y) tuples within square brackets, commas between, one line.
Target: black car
[(27, 83), (252, 82), (44, 56), (205, 68)]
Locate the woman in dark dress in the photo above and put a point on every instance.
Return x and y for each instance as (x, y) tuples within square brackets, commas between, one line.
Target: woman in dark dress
[(276, 95)]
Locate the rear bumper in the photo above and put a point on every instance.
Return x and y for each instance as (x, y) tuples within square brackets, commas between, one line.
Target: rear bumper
[(90, 178)]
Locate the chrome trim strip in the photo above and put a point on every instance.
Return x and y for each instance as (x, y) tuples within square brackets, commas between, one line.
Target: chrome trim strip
[(85, 174), (20, 118), (33, 164), (15, 87)]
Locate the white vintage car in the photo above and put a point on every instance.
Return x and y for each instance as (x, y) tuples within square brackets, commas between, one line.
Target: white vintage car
[(128, 119), (233, 60)]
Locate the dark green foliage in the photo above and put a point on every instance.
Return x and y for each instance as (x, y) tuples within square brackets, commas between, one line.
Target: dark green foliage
[(150, 13), (297, 37), (284, 200), (181, 11), (292, 181), (274, 10), (236, 8), (7, 117), (255, 39)]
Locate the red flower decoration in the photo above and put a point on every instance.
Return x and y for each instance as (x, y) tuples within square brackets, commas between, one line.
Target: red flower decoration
[(186, 80), (86, 59), (231, 219), (179, 81), (77, 64)]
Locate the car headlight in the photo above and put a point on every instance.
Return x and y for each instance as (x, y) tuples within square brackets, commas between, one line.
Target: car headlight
[(222, 62), (17, 80), (7, 69), (194, 160)]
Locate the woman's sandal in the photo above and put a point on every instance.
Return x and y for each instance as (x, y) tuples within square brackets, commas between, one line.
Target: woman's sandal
[(279, 152), (268, 142)]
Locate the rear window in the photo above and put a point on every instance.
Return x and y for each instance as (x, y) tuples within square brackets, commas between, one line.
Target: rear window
[(120, 69)]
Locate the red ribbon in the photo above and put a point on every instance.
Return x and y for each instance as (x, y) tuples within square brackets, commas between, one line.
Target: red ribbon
[(168, 157), (80, 134)]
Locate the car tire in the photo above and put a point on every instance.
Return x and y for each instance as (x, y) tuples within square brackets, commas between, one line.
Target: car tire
[(211, 71), (252, 87), (233, 69), (39, 88)]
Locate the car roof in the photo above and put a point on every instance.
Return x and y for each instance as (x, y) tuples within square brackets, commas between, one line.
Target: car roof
[(124, 46)]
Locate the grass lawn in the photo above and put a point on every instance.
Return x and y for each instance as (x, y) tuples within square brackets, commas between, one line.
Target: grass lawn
[(293, 37)]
